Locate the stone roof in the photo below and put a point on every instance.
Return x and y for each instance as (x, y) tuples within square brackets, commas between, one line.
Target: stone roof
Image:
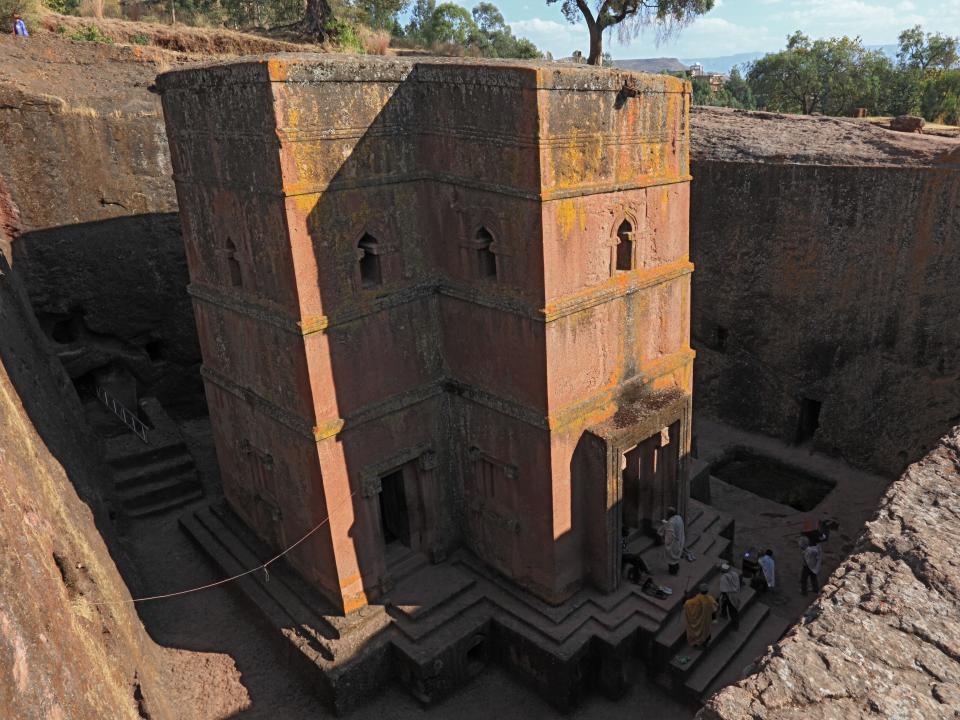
[(748, 136), (883, 638)]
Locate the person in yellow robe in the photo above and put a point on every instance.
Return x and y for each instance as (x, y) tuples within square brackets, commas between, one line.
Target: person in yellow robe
[(698, 614)]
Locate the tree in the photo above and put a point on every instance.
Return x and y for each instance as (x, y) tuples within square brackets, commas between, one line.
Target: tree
[(739, 89), (630, 16), (450, 23), (379, 14), (932, 51), (492, 37), (316, 18), (832, 76), (420, 16)]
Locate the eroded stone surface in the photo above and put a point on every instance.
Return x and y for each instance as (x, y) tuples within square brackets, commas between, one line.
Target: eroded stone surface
[(71, 643), (883, 639)]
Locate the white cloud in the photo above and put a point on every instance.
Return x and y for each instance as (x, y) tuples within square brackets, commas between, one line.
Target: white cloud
[(707, 36), (874, 22), (560, 38)]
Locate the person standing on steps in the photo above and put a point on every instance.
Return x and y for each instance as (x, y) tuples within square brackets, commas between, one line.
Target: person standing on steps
[(698, 612), (769, 568), (19, 26), (729, 595), (673, 540), (812, 556)]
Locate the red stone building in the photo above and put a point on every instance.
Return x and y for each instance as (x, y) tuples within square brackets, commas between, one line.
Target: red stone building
[(443, 303)]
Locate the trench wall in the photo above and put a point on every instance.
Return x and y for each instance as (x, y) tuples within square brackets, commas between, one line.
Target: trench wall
[(836, 284), (63, 656), (88, 216)]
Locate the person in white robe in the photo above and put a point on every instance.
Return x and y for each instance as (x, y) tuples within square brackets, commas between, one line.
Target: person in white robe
[(673, 540)]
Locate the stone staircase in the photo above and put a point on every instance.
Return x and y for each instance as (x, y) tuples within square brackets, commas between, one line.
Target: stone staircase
[(438, 625), (149, 478)]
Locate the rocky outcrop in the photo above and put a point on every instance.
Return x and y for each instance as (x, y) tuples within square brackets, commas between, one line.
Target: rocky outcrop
[(907, 123), (883, 638), (71, 643), (824, 303)]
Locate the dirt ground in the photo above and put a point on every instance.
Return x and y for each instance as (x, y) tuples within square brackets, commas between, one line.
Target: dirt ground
[(763, 524)]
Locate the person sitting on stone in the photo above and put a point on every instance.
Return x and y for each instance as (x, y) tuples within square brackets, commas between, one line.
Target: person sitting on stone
[(810, 562), (698, 613), (769, 573), (636, 567), (729, 592), (19, 26), (673, 540)]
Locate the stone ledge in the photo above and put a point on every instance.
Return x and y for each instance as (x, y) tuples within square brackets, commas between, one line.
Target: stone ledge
[(883, 638)]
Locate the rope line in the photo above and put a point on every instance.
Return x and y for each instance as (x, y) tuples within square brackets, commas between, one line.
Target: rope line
[(224, 581)]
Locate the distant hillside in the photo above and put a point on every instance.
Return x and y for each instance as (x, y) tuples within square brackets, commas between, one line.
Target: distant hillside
[(724, 63), (651, 65)]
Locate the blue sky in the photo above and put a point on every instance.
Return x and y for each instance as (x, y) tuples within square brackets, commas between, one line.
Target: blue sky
[(736, 26)]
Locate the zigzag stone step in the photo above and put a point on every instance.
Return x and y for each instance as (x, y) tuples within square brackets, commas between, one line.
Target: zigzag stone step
[(769, 632), (302, 614), (672, 636), (719, 656)]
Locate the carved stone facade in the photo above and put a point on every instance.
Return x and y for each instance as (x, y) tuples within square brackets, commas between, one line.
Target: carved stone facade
[(441, 303)]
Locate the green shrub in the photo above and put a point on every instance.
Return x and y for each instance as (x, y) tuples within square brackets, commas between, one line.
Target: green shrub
[(345, 36), (64, 7), (91, 33), (140, 39), (28, 9)]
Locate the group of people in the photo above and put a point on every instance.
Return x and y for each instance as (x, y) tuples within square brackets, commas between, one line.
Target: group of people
[(700, 607)]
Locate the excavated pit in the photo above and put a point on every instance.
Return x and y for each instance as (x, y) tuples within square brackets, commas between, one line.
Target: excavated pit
[(772, 479)]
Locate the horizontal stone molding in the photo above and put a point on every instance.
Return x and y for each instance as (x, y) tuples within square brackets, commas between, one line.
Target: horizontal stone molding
[(620, 286), (541, 195), (331, 427)]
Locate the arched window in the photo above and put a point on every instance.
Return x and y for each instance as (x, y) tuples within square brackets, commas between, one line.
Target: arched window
[(625, 246), (486, 258), (233, 265), (368, 252)]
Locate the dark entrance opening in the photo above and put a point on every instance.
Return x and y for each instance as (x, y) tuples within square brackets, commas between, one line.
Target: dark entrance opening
[(809, 420), (394, 518), (477, 656), (721, 339), (772, 479)]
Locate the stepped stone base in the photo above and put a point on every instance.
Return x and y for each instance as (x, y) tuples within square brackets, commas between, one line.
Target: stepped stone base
[(439, 625)]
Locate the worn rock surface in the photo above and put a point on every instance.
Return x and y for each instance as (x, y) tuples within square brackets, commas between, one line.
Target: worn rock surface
[(826, 254), (63, 654), (88, 208), (883, 639)]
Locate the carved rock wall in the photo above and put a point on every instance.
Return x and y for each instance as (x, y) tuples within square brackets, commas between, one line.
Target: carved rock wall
[(62, 655), (826, 256), (88, 211)]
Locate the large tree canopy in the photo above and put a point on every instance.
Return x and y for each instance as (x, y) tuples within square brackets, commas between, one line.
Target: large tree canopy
[(831, 76), (629, 16)]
